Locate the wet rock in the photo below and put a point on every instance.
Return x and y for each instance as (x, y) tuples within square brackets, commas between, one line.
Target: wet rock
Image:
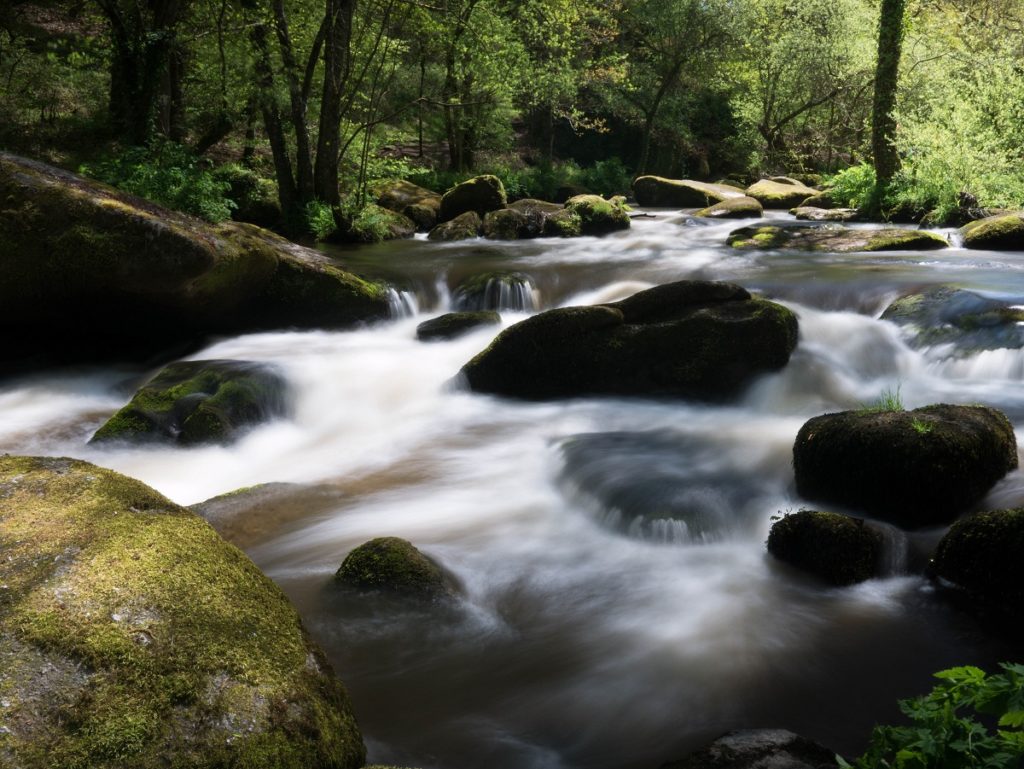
[(495, 291), (524, 219), (567, 191), (563, 224), (819, 200), (912, 468), (690, 339), (834, 238), (680, 193), (1004, 232), (393, 565), (812, 213), (759, 749), (373, 224), (780, 193), (132, 635), (951, 315), (398, 195), (733, 208), (93, 273), (980, 557), (193, 402), (480, 194), (454, 324), (462, 227), (835, 548), (598, 216), (534, 207), (423, 214)]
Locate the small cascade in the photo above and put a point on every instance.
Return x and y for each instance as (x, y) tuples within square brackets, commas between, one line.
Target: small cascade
[(496, 291), (402, 304), (895, 557)]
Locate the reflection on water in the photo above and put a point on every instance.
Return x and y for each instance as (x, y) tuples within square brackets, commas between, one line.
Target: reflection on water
[(619, 605)]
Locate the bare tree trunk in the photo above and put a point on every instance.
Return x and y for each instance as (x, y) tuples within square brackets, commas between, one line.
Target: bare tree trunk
[(337, 37), (883, 112)]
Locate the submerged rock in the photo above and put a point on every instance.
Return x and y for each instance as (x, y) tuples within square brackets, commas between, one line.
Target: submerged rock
[(201, 401), (453, 324), (495, 291), (759, 749), (680, 193), (733, 208), (132, 635), (462, 227), (92, 272), (912, 468), (394, 565), (1004, 232), (834, 238), (835, 548), (780, 192), (690, 339), (480, 194), (981, 556), (952, 315), (598, 216)]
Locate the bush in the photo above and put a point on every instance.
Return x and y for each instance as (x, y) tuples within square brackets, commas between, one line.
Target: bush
[(317, 220), (852, 187), (945, 734), (168, 174)]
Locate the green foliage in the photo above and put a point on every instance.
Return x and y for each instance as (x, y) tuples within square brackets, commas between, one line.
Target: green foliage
[(890, 400), (852, 187), (921, 427), (168, 174), (945, 733), (365, 224), (317, 220)]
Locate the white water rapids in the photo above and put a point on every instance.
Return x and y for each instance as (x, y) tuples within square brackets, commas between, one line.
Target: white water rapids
[(594, 632)]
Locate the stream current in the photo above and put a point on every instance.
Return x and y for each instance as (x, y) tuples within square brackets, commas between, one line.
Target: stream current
[(619, 607)]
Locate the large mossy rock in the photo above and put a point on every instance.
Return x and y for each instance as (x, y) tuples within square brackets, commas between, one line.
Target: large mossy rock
[(952, 315), (680, 193), (1004, 232), (912, 468), (201, 401), (598, 216), (781, 192), (690, 339), (834, 238), (480, 194), (759, 749), (522, 220), (132, 635), (455, 324), (462, 227), (89, 271), (835, 548), (981, 556), (393, 565), (733, 208), (418, 204)]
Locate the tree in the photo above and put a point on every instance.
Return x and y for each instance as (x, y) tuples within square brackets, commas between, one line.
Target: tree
[(883, 112)]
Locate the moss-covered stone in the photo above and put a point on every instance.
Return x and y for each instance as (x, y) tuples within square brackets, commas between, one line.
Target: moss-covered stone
[(453, 324), (495, 291), (952, 315), (563, 224), (998, 233), (398, 195), (192, 402), (759, 749), (688, 339), (834, 238), (423, 214), (733, 208), (480, 194), (810, 213), (506, 224), (132, 635), (835, 548), (599, 216), (912, 468), (981, 556), (782, 192), (89, 271), (680, 193), (462, 227), (822, 199), (394, 565)]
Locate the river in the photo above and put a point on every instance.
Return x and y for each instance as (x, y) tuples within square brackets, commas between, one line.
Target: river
[(595, 631)]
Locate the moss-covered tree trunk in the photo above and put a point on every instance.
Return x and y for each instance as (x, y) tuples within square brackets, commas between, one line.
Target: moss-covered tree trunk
[(337, 39), (883, 113)]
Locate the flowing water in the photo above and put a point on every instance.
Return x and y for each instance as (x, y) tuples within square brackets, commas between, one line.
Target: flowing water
[(618, 606)]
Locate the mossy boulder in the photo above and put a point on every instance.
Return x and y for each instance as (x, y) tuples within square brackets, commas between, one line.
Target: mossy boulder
[(835, 548), (912, 468), (462, 227), (998, 233), (92, 272), (690, 339), (418, 204), (508, 224), (480, 194), (822, 199), (393, 565), (563, 224), (423, 214), (780, 192), (759, 749), (255, 198), (980, 556), (953, 315), (131, 634), (599, 216), (834, 238), (495, 291), (680, 193), (810, 213), (201, 401), (372, 224), (454, 324), (733, 208)]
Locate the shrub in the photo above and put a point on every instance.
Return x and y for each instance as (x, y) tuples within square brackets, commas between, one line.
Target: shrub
[(317, 220), (852, 187)]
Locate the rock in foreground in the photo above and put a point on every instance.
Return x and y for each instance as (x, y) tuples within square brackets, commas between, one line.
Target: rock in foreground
[(835, 548), (690, 339), (912, 468), (396, 566), (759, 749), (834, 238), (1004, 232), (131, 635)]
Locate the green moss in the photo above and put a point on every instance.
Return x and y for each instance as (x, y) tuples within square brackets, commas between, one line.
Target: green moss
[(395, 566), (479, 194), (462, 227), (780, 194), (995, 232), (835, 548), (186, 655), (563, 224), (733, 208), (599, 216)]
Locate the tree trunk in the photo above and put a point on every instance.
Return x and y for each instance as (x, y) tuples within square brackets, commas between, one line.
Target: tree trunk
[(303, 157), (337, 37), (883, 118)]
